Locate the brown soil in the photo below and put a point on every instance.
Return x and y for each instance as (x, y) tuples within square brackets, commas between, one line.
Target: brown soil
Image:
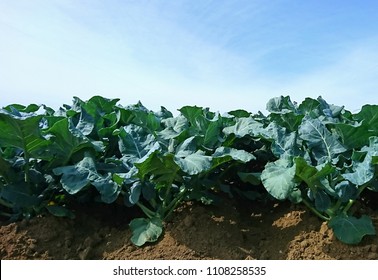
[(242, 231)]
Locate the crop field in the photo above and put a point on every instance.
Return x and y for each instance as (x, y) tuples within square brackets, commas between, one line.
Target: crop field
[(96, 179)]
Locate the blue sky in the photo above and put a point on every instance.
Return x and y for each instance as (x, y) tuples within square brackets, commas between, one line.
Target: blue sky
[(213, 53)]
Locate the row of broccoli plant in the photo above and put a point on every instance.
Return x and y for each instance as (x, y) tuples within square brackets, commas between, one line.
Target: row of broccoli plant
[(313, 153), (326, 157)]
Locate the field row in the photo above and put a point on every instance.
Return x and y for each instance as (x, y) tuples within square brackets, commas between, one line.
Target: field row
[(313, 153)]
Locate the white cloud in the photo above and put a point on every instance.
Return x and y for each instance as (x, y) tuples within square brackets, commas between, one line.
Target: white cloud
[(166, 54)]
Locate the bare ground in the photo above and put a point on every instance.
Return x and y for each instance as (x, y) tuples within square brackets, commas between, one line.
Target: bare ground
[(234, 230)]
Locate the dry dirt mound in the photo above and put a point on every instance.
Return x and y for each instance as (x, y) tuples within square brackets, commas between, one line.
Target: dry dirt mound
[(242, 231)]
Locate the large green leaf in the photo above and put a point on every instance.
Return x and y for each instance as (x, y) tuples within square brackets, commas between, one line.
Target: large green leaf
[(203, 124), (351, 230), (239, 155), (309, 106), (240, 113), (312, 175), (364, 171), (145, 230), (211, 136), (329, 110), (136, 144), (323, 144), (226, 154), (356, 134), (187, 147), (163, 113), (96, 106), (6, 170), (86, 123), (20, 195), (76, 177), (195, 116), (92, 113), (320, 108), (290, 121), (133, 194), (158, 168), (369, 113), (243, 127), (31, 108), (278, 178), (346, 191), (284, 143), (22, 130), (173, 127), (194, 163), (66, 141), (60, 211), (322, 200), (111, 123), (281, 105), (108, 189), (148, 120)]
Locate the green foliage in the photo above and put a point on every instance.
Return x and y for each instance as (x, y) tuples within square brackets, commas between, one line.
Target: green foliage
[(313, 153), (145, 230), (350, 230), (329, 158)]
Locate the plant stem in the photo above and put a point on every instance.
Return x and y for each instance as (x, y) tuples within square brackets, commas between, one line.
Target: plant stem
[(27, 168), (352, 201), (332, 211), (347, 207), (5, 203), (149, 213), (166, 195), (153, 203), (316, 212), (362, 188), (5, 214), (174, 203)]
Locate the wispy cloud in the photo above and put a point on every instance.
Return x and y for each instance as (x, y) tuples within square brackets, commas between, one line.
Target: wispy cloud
[(220, 54)]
